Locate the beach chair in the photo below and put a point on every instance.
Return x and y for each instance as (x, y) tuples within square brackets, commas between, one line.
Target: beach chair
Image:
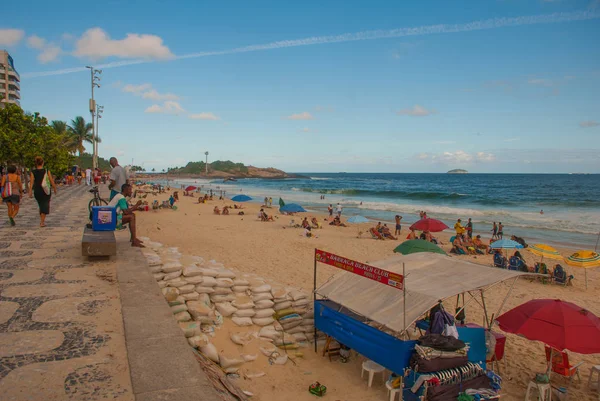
[(559, 276), (375, 234), (499, 261), (558, 362)]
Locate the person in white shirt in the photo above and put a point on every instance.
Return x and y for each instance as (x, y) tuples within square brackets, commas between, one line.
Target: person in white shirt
[(88, 176), (338, 210), (118, 177)]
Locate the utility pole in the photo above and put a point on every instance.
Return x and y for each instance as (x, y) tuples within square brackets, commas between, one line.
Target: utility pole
[(99, 111), (206, 153), (94, 77)]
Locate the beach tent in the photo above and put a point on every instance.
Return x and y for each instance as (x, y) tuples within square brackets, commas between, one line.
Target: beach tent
[(373, 318)]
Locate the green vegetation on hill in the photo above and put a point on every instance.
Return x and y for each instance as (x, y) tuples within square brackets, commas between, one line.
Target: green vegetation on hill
[(226, 166), (85, 160)]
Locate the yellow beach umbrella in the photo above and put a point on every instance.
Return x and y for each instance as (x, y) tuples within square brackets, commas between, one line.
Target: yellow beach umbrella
[(585, 260), (545, 251)]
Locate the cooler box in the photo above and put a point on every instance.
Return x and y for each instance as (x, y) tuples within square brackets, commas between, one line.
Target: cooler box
[(104, 218)]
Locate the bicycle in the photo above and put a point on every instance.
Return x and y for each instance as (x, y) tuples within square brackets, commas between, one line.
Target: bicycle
[(96, 200)]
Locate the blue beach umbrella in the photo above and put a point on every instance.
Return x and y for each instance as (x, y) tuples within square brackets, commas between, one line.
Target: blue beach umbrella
[(357, 219), (241, 198), (506, 244), (292, 208)]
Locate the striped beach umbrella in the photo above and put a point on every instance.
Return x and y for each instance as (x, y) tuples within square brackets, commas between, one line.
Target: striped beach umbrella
[(585, 260), (545, 251), (506, 244)]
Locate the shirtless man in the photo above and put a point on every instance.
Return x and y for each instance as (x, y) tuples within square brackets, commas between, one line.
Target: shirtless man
[(398, 224)]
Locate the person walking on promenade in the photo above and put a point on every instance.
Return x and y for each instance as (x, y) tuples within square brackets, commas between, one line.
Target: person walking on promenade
[(118, 177), (40, 188), (88, 176), (11, 185)]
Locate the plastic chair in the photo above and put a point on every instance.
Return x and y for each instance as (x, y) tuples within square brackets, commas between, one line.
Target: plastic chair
[(595, 384), (559, 362), (372, 368), (393, 391), (544, 391)]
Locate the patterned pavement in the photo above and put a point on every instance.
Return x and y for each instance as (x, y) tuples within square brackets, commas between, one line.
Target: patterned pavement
[(61, 329)]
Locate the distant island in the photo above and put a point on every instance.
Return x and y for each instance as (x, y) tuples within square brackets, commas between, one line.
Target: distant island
[(458, 171), (228, 170)]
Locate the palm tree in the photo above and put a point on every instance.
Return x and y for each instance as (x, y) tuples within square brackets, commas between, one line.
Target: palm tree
[(80, 132), (61, 128)]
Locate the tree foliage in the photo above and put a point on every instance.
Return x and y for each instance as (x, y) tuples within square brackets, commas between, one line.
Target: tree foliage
[(81, 132), (226, 166), (23, 136), (85, 160)]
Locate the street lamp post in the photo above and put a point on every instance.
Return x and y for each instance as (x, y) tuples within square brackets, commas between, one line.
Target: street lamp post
[(206, 165), (94, 77), (99, 111)]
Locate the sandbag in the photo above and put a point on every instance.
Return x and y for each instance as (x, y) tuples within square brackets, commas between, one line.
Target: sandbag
[(209, 281), (242, 321), (222, 291), (296, 295), (262, 321), (308, 322), (279, 292), (285, 343), (249, 357), (191, 296), (227, 362), (241, 281), (240, 288), (180, 300), (175, 309), (244, 313), (288, 319), (195, 280), (279, 300), (243, 302), (282, 305), (176, 282), (295, 330), (224, 282), (269, 352), (290, 325), (170, 293), (242, 338), (198, 341), (280, 360), (284, 312), (300, 337), (171, 267), (262, 296), (171, 276), (183, 316), (222, 298), (192, 270), (190, 329), (225, 273), (210, 351), (264, 304), (225, 308), (204, 298), (186, 289), (270, 333), (301, 302), (155, 269), (269, 312), (261, 288), (158, 276), (201, 289), (161, 284), (199, 309), (208, 272)]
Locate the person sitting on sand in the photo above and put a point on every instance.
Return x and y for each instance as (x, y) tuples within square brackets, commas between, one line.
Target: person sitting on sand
[(430, 238), (125, 213), (479, 243), (264, 216), (305, 222), (307, 232), (385, 231), (458, 246), (379, 227), (226, 210), (315, 223), (337, 222), (468, 243), (216, 210), (412, 234)]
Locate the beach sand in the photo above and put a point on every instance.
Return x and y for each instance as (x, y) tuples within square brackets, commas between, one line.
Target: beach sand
[(279, 253)]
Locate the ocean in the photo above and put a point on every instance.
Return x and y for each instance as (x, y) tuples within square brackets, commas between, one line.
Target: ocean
[(570, 202)]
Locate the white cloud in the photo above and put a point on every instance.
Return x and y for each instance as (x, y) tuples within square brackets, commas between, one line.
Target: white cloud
[(416, 111), (168, 107), (35, 42), (423, 156), (154, 95), (485, 157), (10, 37), (301, 116), (459, 157), (136, 89), (589, 124), (204, 116), (96, 44)]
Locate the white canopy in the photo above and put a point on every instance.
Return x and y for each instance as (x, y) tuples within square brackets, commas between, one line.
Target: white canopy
[(430, 277)]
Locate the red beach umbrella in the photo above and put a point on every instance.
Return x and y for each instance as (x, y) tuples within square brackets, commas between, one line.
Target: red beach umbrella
[(431, 225), (191, 188), (559, 324)]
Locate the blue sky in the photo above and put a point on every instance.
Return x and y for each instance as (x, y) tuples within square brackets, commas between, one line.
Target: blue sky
[(521, 95)]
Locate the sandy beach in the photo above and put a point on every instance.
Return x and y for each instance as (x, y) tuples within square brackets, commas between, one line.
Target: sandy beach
[(278, 252)]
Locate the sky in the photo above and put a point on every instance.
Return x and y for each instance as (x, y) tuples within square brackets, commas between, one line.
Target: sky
[(378, 86)]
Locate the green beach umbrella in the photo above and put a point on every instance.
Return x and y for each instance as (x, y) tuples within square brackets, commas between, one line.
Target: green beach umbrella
[(281, 203), (418, 245)]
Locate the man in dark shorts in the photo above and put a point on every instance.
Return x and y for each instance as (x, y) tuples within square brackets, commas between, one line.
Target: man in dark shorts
[(330, 210), (398, 225), (469, 228), (500, 230)]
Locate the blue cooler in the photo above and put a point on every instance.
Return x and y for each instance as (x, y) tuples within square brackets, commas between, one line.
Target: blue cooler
[(104, 218)]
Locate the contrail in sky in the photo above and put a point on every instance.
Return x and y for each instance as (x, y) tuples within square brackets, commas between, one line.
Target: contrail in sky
[(493, 23)]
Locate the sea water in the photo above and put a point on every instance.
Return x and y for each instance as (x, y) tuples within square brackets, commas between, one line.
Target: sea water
[(570, 202)]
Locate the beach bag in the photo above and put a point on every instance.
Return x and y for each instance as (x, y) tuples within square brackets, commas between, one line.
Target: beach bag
[(7, 190), (46, 185)]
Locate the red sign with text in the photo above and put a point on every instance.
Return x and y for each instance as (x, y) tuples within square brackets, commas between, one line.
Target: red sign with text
[(371, 272)]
